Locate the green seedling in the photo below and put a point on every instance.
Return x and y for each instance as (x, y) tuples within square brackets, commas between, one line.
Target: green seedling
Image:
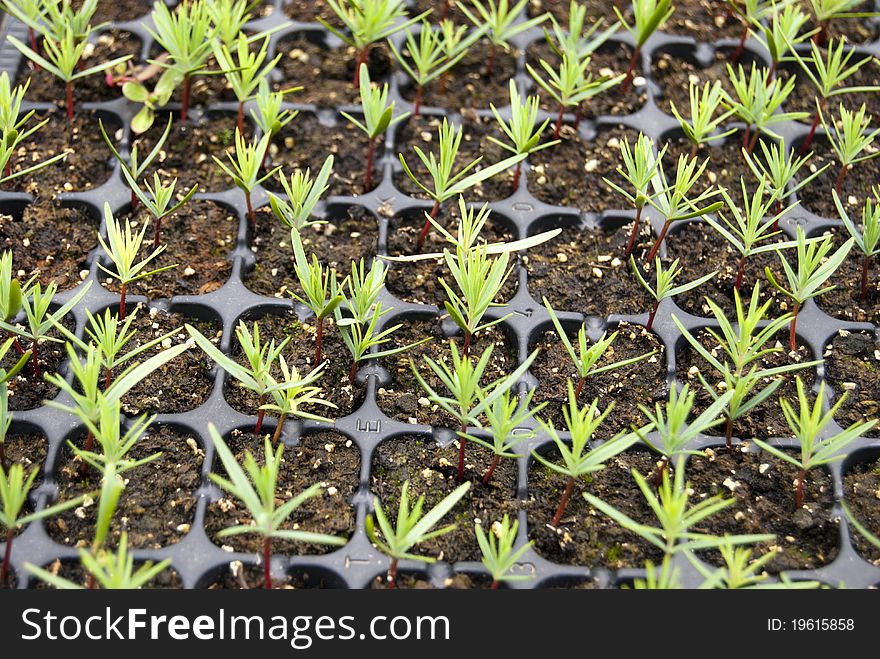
[(780, 35), (291, 392), (270, 117), (133, 168), (648, 16), (867, 239), (706, 115), (577, 38), (825, 11), (158, 199), (244, 69), (5, 415), (663, 289), (501, 24), (244, 169), (751, 13), (851, 141), (303, 194), (499, 556)]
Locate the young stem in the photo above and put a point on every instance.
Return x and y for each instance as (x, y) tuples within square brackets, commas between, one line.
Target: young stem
[(490, 62), (134, 201), (250, 211), (425, 229), (3, 464), (417, 104), (239, 120), (577, 116), (467, 344), (184, 97), (840, 176), (157, 234), (652, 314), (566, 494), (461, 444), (279, 429), (444, 12), (516, 175), (319, 339), (660, 470), (7, 555), (866, 265), (494, 585), (753, 141), (352, 374), (108, 378), (267, 560), (491, 469), (368, 174), (634, 232), (813, 128), (659, 240), (362, 58), (89, 444), (35, 360), (68, 88), (580, 387), (771, 73), (746, 136), (792, 337), (799, 492), (260, 416), (557, 128), (740, 273), (392, 574), (728, 433), (631, 70), (741, 46), (123, 289), (695, 149)]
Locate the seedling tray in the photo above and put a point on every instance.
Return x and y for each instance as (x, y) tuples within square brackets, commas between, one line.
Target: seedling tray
[(196, 558)]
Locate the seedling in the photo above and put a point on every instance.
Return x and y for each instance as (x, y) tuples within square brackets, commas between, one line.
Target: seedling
[(640, 164), (570, 85), (28, 12), (664, 289), (648, 16), (522, 131), (868, 238), (582, 458), (499, 556), (756, 101), (39, 321), (110, 570), (412, 527), (667, 577), (62, 59), (850, 139), (743, 347), (507, 419), (260, 357), (749, 232), (123, 248), (321, 293), (780, 35), (674, 430), (291, 392), (114, 445), (133, 168), (824, 11), (5, 416), (270, 116), (244, 69), (807, 425), (429, 60), (828, 73), (187, 35), (158, 199), (468, 398), (750, 12), (577, 40), (585, 358), (360, 331), (676, 517), (814, 266), (303, 194), (501, 24), (378, 117), (445, 183), (14, 130), (57, 15), (14, 489), (229, 18), (368, 22), (705, 115), (256, 486), (779, 169), (456, 40), (244, 169), (739, 571), (137, 92), (672, 200)]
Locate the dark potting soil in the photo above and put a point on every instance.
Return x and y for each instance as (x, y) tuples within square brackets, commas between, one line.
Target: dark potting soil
[(306, 61), (432, 471), (167, 579), (182, 384), (28, 390), (851, 366), (560, 10), (860, 487), (51, 242), (308, 11), (642, 383), (328, 458), (702, 250), (803, 97), (199, 238), (584, 535), (300, 353), (306, 141), (187, 153), (405, 400), (855, 30), (409, 581), (844, 301), (571, 173), (418, 281), (121, 10), (585, 271), (766, 420), (764, 490), (816, 196), (610, 60), (351, 234), (28, 449), (49, 88), (158, 505), (704, 20), (88, 161), (423, 132), (437, 7)]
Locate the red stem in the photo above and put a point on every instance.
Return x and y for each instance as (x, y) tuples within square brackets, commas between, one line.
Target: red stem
[(7, 555), (239, 120), (490, 62), (319, 338), (494, 585), (68, 88), (35, 360), (558, 127), (108, 376), (368, 175), (250, 211), (392, 574), (157, 234), (467, 344), (652, 314), (728, 433), (792, 337), (267, 559), (184, 97), (417, 106), (740, 273), (634, 232), (122, 291), (799, 492), (742, 45), (352, 374), (134, 201), (516, 175), (260, 415), (491, 469), (813, 128), (746, 135), (89, 444), (566, 494), (580, 387), (577, 116), (362, 58), (866, 265), (656, 246), (279, 429), (425, 229), (840, 176), (631, 70)]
